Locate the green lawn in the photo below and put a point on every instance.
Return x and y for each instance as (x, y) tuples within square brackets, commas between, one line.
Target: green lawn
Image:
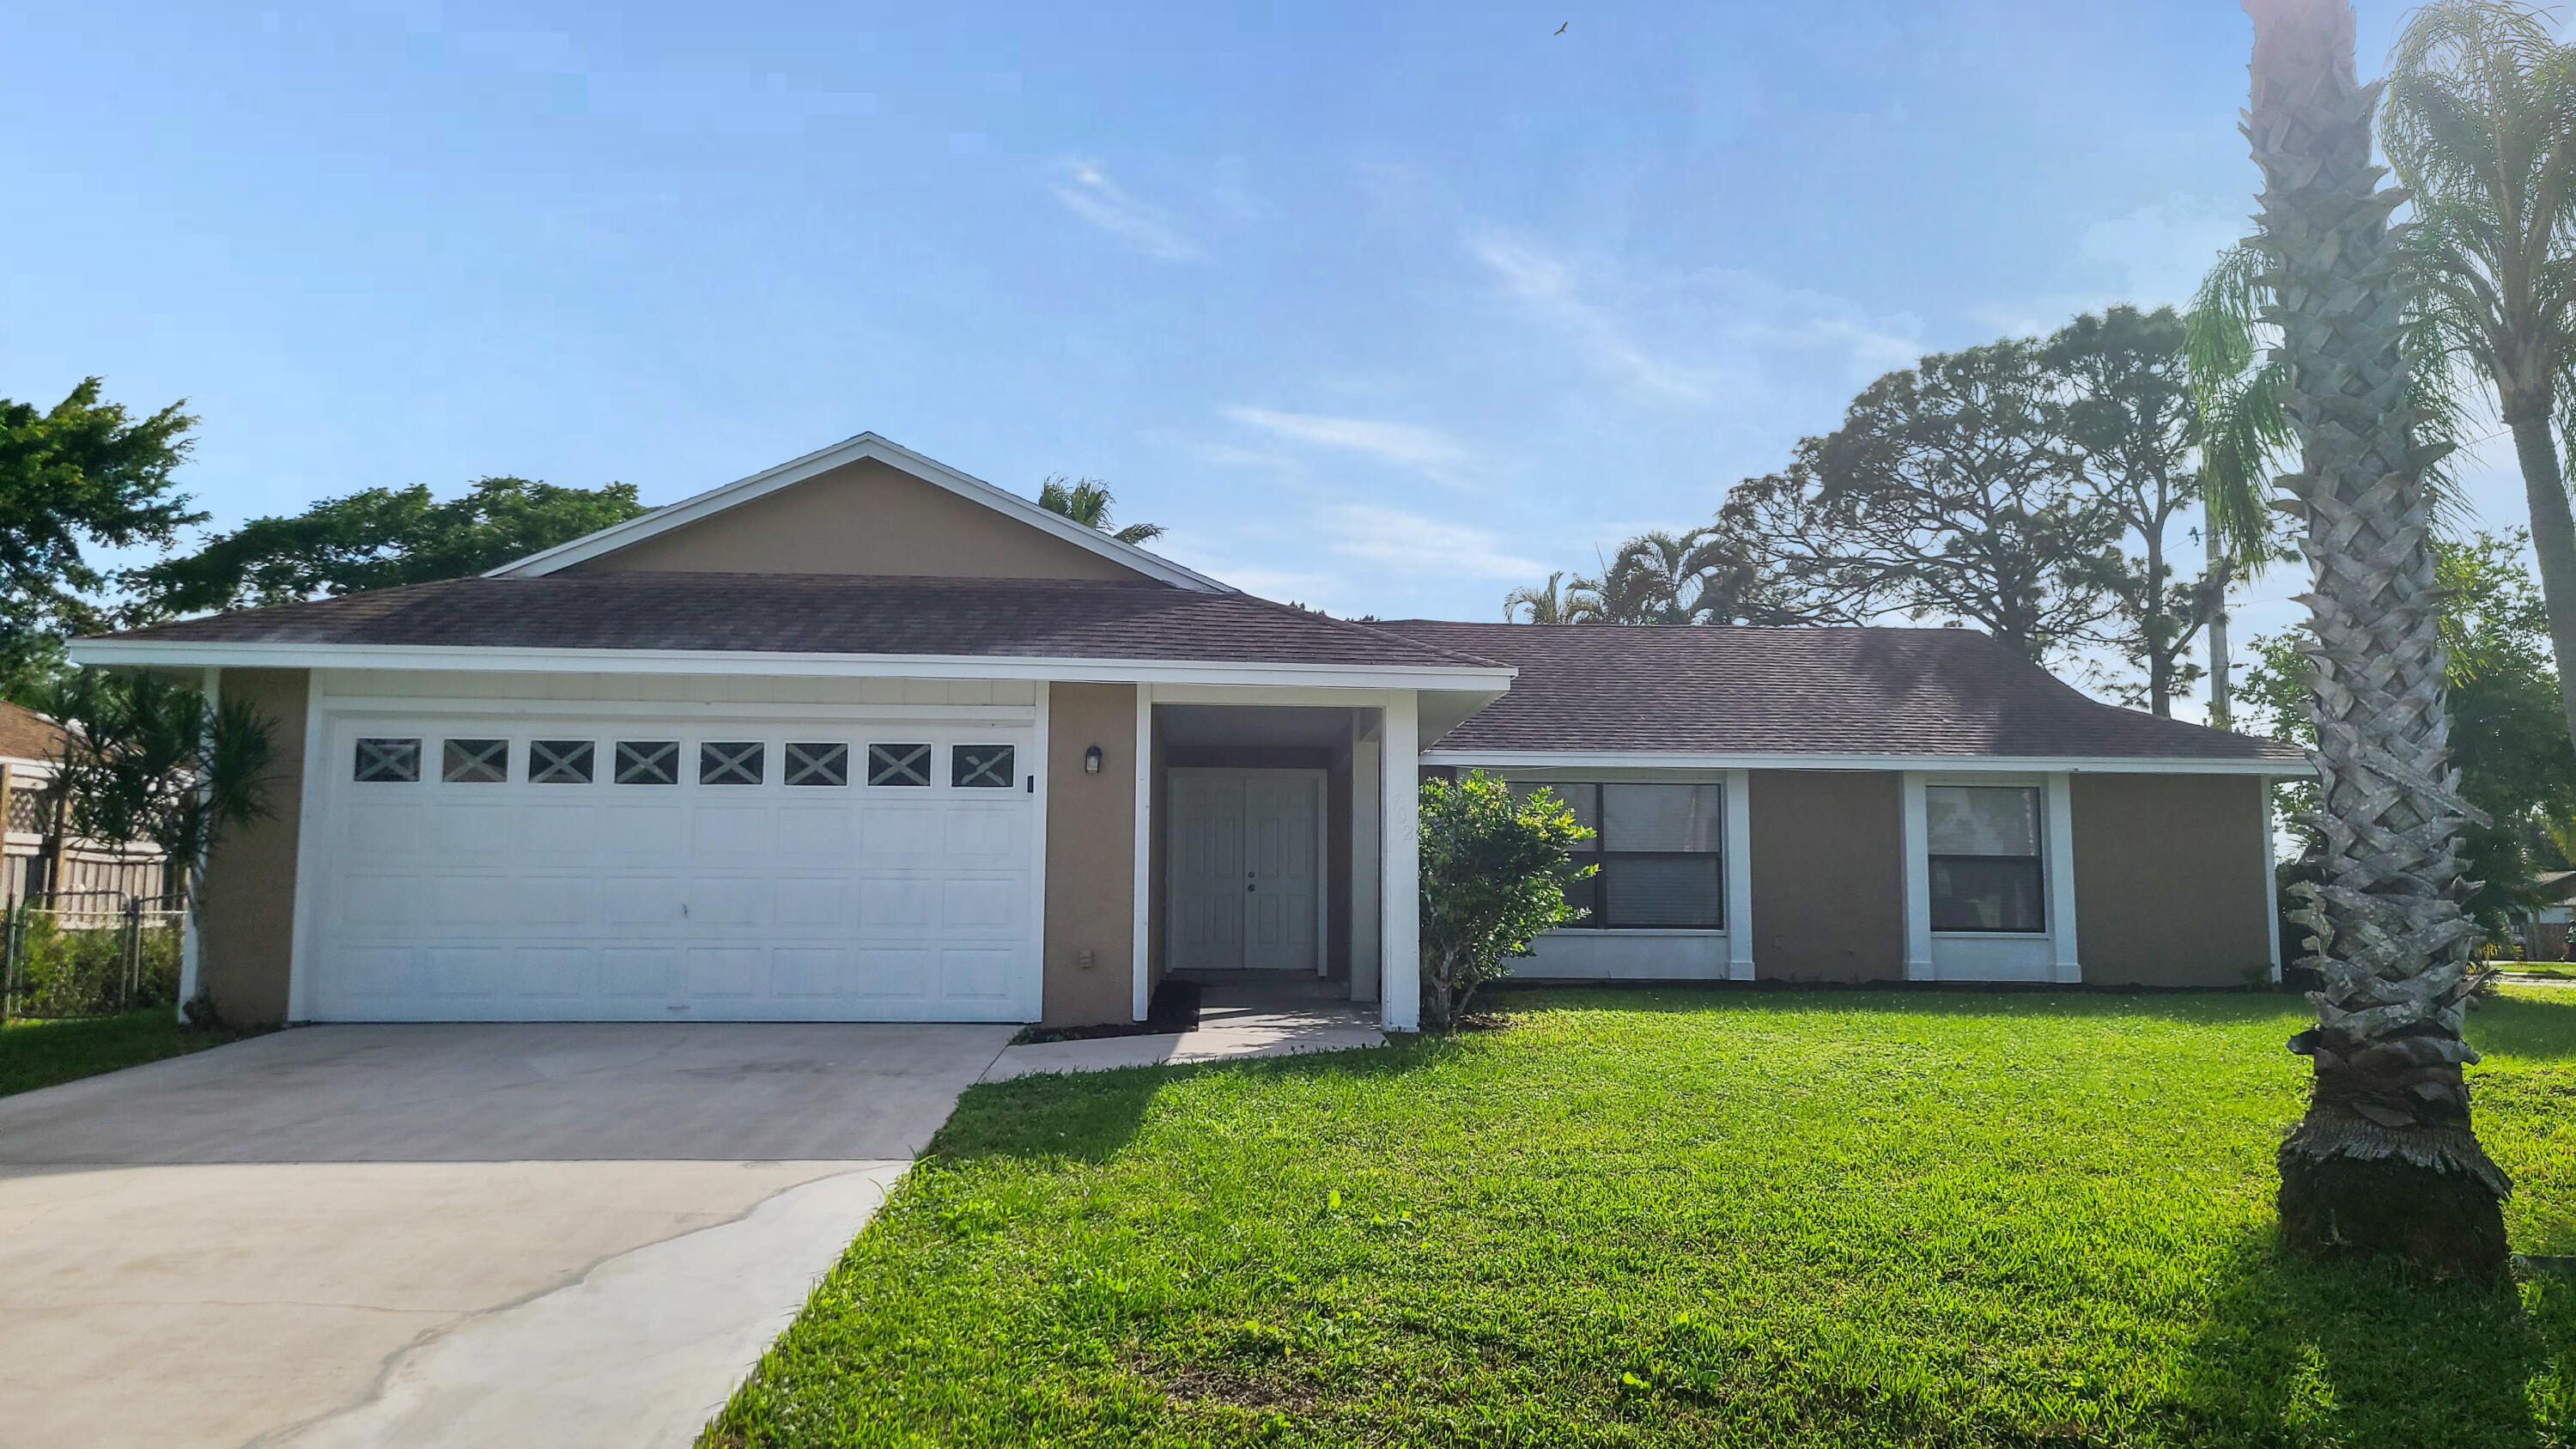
[(2561, 970), (1666, 1218), (40, 1053)]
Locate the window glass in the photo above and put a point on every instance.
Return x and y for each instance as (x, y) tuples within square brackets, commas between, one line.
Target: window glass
[(1982, 819), (898, 764), (731, 762), (818, 764), (475, 762), (388, 762), (1660, 817), (981, 767), (1662, 890), (1986, 893), (648, 762), (561, 762)]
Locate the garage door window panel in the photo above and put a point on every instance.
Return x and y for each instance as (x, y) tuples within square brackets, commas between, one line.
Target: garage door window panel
[(901, 765), (982, 767), (384, 761), (818, 764), (1985, 870), (561, 762), (731, 762), (475, 762), (648, 762)]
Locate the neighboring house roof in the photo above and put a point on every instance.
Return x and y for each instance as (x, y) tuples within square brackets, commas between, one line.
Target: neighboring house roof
[(27, 735), (865, 446), (1742, 690), (829, 614), (2554, 885)]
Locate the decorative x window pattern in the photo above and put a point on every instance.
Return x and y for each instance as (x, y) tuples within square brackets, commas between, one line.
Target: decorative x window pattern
[(730, 762), (898, 764), (981, 767), (561, 762), (818, 764), (388, 762), (648, 762), (476, 762)]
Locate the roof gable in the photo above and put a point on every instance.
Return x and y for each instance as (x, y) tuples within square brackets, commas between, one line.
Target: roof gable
[(772, 532)]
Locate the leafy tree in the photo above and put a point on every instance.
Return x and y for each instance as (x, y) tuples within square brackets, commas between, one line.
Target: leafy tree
[(1948, 492), (1494, 872), (2386, 1158), (1088, 502), (378, 538), (2135, 435), (82, 473), (146, 759), (2481, 131)]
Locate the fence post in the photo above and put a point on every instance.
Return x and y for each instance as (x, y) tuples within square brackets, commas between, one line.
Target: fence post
[(133, 952), (12, 913)]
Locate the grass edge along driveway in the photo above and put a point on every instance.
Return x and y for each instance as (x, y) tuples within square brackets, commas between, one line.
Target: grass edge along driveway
[(1647, 1218), (47, 1053)]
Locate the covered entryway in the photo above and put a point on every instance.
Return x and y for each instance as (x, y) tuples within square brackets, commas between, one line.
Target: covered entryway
[(609, 864)]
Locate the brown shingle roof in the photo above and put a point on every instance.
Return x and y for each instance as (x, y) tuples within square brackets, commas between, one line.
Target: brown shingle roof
[(822, 614), (27, 735), (1761, 691)]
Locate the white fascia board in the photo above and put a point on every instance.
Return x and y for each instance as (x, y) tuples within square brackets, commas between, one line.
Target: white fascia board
[(864, 446), (1979, 765), (146, 653)]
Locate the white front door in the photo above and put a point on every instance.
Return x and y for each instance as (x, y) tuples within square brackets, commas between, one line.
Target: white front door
[(1246, 870), (672, 868)]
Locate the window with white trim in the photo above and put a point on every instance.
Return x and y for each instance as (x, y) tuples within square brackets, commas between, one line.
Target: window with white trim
[(1661, 852), (1985, 865), (387, 761)]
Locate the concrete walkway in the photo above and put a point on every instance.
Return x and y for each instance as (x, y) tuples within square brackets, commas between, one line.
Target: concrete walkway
[(1234, 1022), (561, 1235)]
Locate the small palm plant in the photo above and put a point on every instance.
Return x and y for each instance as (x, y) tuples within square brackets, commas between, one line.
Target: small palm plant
[(1088, 501), (1554, 602), (145, 759)]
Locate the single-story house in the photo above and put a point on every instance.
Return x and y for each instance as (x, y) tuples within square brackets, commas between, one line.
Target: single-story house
[(2542, 930), (864, 738)]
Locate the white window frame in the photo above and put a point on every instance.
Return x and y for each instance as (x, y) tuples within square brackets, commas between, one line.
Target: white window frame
[(2045, 956)]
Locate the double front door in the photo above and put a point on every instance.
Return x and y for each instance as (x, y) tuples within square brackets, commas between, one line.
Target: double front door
[(1246, 855)]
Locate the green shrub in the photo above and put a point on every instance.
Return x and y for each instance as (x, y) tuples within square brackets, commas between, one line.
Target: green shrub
[(81, 971), (1494, 871)]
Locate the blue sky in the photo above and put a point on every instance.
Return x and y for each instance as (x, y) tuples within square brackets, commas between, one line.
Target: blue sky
[(1382, 308)]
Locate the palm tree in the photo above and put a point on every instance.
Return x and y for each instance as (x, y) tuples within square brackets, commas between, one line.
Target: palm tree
[(1578, 603), (2481, 131), (1660, 577), (2385, 1158), (1087, 502)]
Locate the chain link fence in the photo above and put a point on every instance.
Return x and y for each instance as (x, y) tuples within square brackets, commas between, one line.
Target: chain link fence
[(88, 953)]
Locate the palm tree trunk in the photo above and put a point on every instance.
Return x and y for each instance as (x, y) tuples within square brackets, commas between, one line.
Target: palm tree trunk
[(2553, 542), (2385, 1159), (2221, 692)]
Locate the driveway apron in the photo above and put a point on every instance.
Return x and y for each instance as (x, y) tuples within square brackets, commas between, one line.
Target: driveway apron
[(556, 1234)]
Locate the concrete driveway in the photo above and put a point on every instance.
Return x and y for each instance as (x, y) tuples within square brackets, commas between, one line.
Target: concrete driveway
[(561, 1235)]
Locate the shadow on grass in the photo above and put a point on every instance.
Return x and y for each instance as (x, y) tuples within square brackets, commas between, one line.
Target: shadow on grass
[(2302, 1352), (2525, 1025)]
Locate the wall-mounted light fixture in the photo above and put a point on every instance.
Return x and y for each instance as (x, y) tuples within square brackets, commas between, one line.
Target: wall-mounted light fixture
[(1091, 760)]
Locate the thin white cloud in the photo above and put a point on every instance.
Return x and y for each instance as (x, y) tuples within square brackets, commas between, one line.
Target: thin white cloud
[(1088, 193), (1720, 334), (1417, 546), (1407, 444)]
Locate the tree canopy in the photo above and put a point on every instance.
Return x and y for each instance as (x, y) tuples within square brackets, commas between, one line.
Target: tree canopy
[(83, 474), (1089, 502), (378, 538)]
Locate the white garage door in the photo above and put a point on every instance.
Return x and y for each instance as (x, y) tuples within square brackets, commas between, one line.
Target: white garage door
[(667, 869)]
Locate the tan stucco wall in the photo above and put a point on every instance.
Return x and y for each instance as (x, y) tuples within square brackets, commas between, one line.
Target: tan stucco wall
[(246, 941), (1091, 848), (2169, 880), (865, 518), (1828, 876)]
